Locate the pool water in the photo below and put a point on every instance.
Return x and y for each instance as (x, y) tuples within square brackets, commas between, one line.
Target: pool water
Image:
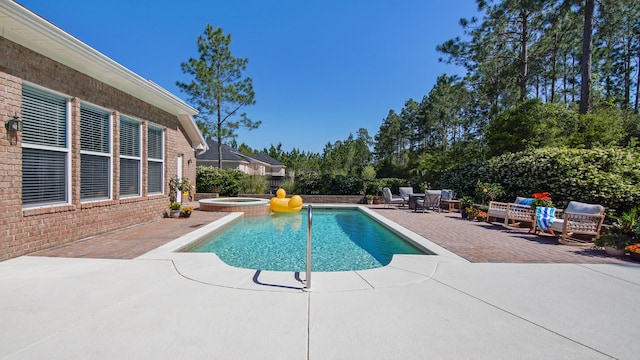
[(343, 240)]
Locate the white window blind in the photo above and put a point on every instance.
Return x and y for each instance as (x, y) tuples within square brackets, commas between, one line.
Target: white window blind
[(155, 162), (129, 157), (45, 153), (45, 118), (95, 148)]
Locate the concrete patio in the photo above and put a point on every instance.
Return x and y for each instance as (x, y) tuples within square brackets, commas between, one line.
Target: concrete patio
[(509, 295)]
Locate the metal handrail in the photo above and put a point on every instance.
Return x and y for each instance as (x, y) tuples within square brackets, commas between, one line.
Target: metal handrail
[(307, 285)]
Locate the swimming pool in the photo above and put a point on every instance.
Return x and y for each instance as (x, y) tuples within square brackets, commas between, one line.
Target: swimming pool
[(343, 240)]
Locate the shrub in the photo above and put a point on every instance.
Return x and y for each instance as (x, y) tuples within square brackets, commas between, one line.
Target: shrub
[(609, 177), (462, 178), (289, 186), (312, 183), (227, 182), (392, 183), (256, 184)]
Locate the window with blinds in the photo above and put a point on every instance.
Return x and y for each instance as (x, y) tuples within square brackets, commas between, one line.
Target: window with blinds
[(95, 150), (155, 160), (130, 157), (45, 150)]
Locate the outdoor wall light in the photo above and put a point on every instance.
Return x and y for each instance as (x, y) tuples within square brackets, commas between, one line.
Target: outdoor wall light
[(14, 125)]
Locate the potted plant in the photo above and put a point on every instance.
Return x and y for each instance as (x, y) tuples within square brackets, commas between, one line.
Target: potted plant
[(425, 186), (465, 203), (369, 198), (174, 209), (177, 184), (613, 243), (634, 251), (186, 211), (541, 199), (488, 190), (480, 212), (623, 232)]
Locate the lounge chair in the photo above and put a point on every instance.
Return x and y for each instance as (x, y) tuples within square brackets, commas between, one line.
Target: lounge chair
[(390, 199), (405, 193), (431, 201), (578, 219)]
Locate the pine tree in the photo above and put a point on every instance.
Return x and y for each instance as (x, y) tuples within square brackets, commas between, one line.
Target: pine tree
[(218, 89)]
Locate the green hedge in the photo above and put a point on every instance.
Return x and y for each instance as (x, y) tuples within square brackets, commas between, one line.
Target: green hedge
[(610, 177), (227, 182), (326, 184)]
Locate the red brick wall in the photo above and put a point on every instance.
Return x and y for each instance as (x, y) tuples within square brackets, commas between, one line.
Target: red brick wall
[(25, 231)]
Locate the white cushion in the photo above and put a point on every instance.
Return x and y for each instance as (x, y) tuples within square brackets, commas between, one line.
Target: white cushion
[(497, 213), (557, 225), (582, 208)]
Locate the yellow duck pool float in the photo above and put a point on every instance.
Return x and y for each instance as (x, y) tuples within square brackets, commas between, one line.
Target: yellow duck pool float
[(281, 204)]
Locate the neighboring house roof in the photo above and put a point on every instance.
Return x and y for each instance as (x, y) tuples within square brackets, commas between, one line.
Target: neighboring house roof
[(229, 154), (266, 159), (28, 29)]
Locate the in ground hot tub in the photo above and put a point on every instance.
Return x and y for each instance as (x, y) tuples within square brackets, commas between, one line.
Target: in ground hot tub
[(250, 206)]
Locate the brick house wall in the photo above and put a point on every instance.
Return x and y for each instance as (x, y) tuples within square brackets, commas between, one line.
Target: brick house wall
[(23, 231)]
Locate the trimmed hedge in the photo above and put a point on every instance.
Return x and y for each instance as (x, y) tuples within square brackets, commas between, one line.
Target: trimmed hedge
[(610, 177)]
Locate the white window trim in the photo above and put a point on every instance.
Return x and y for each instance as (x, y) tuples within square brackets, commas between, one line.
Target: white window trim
[(110, 156), (66, 150), (164, 139), (139, 158)]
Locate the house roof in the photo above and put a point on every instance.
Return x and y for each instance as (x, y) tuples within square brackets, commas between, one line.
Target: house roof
[(28, 29), (266, 159), (230, 154)]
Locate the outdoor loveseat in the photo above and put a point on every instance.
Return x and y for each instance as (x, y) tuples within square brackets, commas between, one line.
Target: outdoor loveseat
[(512, 213)]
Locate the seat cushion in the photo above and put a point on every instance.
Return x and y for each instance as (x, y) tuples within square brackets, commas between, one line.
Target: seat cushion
[(557, 225), (582, 208), (501, 213)]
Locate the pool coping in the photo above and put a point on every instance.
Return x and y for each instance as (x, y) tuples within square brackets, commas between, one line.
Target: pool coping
[(207, 268)]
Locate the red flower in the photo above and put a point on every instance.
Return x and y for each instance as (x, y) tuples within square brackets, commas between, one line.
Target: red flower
[(542, 196)]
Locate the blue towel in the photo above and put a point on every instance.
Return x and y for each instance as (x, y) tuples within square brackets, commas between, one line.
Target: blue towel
[(545, 217)]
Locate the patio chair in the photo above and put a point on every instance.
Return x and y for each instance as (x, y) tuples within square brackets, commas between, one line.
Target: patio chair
[(578, 219), (431, 201), (405, 193), (390, 199)]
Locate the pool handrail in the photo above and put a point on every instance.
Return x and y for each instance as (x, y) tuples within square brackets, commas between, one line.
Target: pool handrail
[(307, 285)]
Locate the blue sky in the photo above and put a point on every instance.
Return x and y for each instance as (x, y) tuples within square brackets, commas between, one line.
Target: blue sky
[(320, 69)]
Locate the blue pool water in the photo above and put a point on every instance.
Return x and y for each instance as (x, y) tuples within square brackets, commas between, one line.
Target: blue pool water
[(343, 240)]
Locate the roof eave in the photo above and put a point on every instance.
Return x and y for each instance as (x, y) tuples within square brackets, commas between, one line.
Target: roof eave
[(24, 27)]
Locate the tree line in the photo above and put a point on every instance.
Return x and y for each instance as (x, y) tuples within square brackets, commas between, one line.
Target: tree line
[(539, 73)]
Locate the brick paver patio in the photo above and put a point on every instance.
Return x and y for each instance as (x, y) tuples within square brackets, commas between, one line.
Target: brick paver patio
[(474, 241)]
